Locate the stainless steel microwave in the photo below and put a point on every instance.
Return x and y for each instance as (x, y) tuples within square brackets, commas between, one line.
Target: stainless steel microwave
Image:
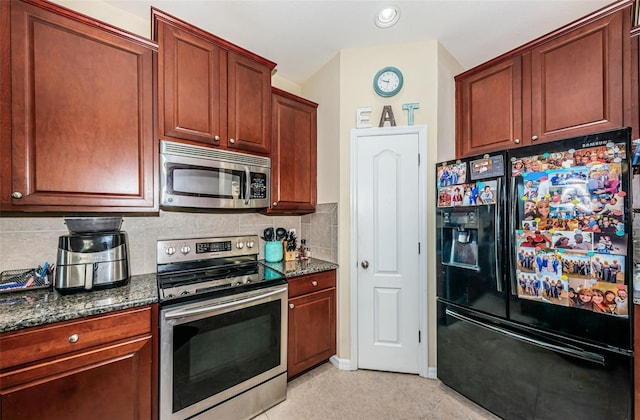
[(207, 178)]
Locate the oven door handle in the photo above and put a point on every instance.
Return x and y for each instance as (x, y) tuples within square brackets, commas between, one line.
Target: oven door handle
[(212, 308)]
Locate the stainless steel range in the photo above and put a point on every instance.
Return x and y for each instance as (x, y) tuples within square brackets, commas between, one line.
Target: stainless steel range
[(223, 329)]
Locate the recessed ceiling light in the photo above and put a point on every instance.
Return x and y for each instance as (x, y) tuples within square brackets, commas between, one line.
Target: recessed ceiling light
[(387, 17)]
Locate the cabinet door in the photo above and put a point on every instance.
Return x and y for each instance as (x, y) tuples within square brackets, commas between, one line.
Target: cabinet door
[(109, 382), (312, 330), (191, 77), (5, 104), (82, 114), (249, 104), (293, 154), (577, 80), (489, 109)]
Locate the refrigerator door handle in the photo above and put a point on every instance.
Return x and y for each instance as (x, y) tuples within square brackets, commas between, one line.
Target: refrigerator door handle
[(580, 354), (512, 241), (497, 230)]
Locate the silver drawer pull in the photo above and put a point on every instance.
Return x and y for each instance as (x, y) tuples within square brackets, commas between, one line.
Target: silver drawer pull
[(314, 283), (291, 305), (74, 338)]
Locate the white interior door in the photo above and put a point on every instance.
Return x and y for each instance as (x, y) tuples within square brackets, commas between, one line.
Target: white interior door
[(388, 236)]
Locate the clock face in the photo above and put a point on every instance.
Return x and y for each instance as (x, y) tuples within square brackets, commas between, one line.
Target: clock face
[(388, 81)]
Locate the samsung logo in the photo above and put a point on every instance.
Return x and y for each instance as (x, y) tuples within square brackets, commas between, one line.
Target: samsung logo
[(595, 143)]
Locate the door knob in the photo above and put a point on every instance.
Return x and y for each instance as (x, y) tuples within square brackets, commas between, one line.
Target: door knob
[(365, 264)]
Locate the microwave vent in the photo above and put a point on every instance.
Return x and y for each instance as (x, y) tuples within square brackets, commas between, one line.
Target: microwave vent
[(199, 152)]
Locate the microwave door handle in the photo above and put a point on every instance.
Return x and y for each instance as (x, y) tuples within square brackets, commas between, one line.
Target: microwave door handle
[(247, 180)]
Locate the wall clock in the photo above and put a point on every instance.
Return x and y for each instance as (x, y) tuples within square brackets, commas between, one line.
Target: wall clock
[(388, 81)]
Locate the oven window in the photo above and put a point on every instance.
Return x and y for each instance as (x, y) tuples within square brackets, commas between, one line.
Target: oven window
[(206, 182), (214, 354)]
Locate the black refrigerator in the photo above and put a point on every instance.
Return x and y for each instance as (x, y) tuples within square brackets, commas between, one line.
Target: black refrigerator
[(533, 279)]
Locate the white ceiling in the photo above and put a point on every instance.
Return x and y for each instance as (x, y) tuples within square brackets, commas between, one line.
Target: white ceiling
[(303, 35)]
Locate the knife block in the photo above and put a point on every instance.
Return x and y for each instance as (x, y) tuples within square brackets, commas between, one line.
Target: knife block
[(288, 255)]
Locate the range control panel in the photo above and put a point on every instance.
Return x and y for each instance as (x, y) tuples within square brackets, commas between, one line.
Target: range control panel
[(191, 249)]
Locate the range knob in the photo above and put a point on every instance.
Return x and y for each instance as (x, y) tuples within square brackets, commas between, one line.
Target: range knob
[(250, 244), (184, 293), (170, 250), (239, 245), (185, 249)]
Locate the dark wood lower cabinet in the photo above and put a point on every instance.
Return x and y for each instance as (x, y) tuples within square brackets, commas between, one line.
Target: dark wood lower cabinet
[(77, 379), (312, 321)]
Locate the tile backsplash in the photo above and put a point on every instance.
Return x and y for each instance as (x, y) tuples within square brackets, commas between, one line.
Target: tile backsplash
[(28, 241)]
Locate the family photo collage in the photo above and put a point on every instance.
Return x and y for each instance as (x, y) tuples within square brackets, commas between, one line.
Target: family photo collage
[(571, 235)]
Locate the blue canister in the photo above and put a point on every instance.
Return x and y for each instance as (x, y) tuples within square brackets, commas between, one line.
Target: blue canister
[(273, 251)]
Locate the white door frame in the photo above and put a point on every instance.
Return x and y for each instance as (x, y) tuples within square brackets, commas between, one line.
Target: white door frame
[(421, 130)]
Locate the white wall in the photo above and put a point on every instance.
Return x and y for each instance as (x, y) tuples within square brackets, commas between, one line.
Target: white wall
[(418, 62), (110, 14), (324, 89)]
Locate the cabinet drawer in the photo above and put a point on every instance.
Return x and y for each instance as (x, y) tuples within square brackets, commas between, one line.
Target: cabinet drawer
[(26, 346), (311, 283)]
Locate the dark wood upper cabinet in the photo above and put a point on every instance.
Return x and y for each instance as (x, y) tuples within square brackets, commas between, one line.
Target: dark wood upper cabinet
[(489, 108), (209, 90), (571, 82), (293, 154), (577, 80), (81, 114), (635, 84), (248, 104), (190, 75)]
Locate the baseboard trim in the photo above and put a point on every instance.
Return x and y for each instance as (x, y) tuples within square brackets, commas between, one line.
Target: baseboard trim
[(432, 373), (342, 364)]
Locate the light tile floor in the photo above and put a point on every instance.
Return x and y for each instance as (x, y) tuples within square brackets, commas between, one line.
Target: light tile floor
[(327, 393)]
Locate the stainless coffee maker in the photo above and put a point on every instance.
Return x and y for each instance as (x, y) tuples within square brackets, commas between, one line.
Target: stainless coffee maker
[(93, 256)]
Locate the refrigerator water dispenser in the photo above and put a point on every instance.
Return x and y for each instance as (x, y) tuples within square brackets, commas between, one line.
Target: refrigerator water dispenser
[(460, 238)]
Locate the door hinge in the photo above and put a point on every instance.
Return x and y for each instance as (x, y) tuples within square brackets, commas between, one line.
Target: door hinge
[(419, 248), (419, 336), (418, 159)]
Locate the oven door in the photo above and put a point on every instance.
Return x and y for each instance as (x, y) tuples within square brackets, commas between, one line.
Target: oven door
[(208, 183), (214, 350)]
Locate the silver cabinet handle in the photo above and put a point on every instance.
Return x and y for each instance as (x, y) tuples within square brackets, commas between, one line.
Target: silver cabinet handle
[(74, 338), (517, 141), (275, 203), (16, 194), (291, 305), (247, 175), (314, 283), (216, 138), (232, 141), (365, 264), (534, 138)]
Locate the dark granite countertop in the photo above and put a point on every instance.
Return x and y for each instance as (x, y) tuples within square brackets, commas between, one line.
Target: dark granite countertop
[(40, 307), (301, 267)]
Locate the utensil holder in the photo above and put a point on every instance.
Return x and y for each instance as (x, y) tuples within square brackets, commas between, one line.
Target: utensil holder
[(273, 251), (22, 280)]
